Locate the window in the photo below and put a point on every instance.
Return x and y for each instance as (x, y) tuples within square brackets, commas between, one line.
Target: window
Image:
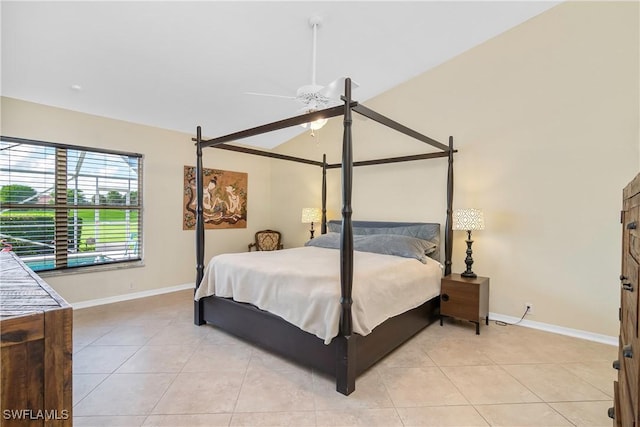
[(67, 207)]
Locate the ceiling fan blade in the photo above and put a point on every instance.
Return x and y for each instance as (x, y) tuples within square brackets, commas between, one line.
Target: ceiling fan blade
[(334, 89), (270, 94)]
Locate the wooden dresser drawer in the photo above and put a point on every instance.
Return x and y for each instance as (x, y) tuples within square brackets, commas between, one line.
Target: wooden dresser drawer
[(616, 406), (625, 414), (629, 293), (632, 226), (629, 353)]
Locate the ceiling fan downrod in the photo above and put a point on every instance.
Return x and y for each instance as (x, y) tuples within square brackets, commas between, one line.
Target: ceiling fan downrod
[(314, 21)]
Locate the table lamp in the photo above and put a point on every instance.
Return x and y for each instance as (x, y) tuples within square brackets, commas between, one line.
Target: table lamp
[(311, 215), (468, 220)]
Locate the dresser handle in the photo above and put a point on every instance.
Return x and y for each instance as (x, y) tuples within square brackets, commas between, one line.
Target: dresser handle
[(627, 351), (627, 287), (616, 365), (632, 225), (612, 413), (623, 277), (444, 297)]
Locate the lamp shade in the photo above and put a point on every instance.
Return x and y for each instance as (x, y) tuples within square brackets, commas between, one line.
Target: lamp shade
[(311, 215), (468, 219)]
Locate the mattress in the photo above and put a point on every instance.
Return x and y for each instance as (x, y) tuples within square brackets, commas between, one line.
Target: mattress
[(302, 285)]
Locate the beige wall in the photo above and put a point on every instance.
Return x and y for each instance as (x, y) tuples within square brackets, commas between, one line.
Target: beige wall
[(546, 118), (169, 252)]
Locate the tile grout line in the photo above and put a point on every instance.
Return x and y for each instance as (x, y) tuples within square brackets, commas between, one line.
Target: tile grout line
[(463, 395), (244, 377)]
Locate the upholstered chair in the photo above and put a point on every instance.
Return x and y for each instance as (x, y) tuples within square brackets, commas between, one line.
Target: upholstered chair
[(267, 240)]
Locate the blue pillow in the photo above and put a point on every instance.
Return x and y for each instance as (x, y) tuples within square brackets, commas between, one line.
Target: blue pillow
[(387, 244)]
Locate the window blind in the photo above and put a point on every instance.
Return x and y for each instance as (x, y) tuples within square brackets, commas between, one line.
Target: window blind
[(63, 206)]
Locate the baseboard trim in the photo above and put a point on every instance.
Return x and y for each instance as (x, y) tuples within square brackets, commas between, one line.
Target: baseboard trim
[(131, 296), (577, 333)]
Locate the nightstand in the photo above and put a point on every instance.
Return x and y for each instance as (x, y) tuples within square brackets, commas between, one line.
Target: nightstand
[(465, 298)]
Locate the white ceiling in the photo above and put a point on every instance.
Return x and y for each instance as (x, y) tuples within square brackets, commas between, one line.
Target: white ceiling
[(176, 65)]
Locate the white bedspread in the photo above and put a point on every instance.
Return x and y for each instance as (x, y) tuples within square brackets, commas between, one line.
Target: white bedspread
[(302, 285)]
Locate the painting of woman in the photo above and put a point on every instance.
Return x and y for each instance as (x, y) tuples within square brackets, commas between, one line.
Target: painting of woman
[(224, 199)]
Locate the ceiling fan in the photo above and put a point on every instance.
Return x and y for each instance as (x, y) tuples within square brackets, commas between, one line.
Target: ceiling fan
[(313, 96)]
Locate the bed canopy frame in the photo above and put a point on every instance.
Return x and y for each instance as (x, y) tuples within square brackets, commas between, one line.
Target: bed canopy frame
[(349, 354)]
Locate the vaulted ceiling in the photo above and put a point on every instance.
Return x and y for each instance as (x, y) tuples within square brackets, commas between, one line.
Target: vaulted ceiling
[(178, 64)]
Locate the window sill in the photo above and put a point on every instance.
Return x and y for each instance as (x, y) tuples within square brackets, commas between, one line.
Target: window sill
[(91, 269)]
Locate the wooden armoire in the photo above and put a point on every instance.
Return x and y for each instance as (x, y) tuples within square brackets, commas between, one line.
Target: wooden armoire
[(626, 410)]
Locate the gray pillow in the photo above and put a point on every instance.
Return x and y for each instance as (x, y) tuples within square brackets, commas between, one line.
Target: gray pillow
[(414, 230), (424, 231), (387, 244)]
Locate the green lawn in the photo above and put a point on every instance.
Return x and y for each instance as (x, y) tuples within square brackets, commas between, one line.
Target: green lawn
[(106, 215), (110, 229), (88, 215)]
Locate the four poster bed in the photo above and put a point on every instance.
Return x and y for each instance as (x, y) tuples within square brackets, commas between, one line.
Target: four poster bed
[(350, 337)]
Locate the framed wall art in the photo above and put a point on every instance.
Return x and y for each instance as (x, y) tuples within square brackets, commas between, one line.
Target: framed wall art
[(224, 199)]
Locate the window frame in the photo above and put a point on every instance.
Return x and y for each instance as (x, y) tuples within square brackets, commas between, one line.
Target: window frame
[(63, 207)]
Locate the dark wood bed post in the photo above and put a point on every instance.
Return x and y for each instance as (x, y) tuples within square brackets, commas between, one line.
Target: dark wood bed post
[(323, 228), (346, 366), (198, 312), (448, 234)]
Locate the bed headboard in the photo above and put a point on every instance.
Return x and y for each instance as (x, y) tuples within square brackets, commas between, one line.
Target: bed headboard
[(422, 230)]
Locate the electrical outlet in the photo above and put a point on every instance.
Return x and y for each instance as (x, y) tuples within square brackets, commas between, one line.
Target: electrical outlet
[(530, 306)]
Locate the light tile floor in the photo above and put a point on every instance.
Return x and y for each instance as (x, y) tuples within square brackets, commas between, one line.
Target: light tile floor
[(144, 363)]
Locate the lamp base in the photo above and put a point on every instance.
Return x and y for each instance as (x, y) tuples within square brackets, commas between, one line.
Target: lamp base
[(469, 260)]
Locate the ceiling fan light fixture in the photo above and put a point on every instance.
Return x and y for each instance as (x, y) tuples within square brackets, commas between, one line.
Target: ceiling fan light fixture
[(316, 124)]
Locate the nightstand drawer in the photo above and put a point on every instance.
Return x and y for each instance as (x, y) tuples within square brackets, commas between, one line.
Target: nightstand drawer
[(465, 298), (460, 300)]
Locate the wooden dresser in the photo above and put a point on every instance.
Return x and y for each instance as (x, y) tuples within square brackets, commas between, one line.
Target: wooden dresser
[(626, 410), (35, 349)]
